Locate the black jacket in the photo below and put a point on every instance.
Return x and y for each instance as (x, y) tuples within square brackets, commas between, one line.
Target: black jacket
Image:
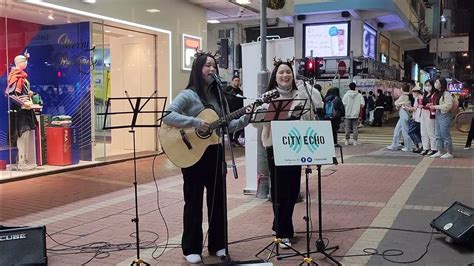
[(235, 102)]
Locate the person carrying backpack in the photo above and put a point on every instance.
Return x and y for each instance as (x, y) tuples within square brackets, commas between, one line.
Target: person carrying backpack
[(334, 110)]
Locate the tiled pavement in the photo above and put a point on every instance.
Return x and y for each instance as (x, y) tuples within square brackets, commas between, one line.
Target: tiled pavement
[(374, 187)]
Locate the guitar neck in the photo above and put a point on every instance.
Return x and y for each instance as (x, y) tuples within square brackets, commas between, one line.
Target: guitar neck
[(236, 114)]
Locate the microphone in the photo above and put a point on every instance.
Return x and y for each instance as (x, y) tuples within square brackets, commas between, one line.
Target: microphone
[(217, 79)]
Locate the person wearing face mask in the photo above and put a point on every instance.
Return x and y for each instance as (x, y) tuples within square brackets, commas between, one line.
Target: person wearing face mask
[(427, 120), (202, 92), (442, 106), (285, 180)]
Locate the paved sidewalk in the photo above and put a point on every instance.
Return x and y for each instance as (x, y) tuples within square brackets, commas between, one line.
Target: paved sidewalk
[(374, 187)]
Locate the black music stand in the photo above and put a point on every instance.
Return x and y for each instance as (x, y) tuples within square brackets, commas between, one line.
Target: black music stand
[(136, 109), (320, 245), (279, 110)]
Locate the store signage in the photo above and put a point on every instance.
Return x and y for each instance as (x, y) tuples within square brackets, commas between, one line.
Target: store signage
[(302, 142), (450, 44), (395, 52), (369, 42), (191, 44), (384, 48), (326, 40)]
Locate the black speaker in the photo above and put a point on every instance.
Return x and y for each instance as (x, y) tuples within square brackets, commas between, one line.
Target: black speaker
[(238, 56), (457, 222), (380, 25), (224, 53), (345, 14), (23, 245), (301, 17)]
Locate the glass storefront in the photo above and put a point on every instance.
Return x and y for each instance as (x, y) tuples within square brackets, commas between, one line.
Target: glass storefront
[(61, 69)]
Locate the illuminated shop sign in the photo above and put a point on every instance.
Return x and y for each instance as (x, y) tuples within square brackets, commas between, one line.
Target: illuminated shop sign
[(326, 40), (190, 45), (369, 42)]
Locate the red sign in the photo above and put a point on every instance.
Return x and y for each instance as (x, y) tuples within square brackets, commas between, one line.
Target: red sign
[(341, 68)]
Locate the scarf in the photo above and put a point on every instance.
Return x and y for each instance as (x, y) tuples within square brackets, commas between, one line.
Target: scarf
[(284, 93), (17, 75)]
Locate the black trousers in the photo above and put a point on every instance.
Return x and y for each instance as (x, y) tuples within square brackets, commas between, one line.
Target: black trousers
[(285, 187), (378, 116), (206, 173), (335, 124), (470, 136)]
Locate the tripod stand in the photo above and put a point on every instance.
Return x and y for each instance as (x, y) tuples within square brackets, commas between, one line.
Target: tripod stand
[(320, 245), (315, 146), (280, 110), (137, 108)]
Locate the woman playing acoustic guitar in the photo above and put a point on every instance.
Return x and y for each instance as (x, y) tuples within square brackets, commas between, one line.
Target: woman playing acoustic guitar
[(201, 93)]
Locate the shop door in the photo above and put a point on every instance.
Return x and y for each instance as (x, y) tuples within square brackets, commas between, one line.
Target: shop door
[(132, 70)]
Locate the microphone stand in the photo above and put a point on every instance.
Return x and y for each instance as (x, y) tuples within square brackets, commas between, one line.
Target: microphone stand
[(225, 130)]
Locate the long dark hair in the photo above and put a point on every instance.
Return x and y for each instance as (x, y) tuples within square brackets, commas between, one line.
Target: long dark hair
[(272, 84), (334, 91), (426, 98), (197, 82), (444, 87)]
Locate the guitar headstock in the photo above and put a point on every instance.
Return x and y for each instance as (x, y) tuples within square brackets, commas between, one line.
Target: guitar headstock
[(269, 95)]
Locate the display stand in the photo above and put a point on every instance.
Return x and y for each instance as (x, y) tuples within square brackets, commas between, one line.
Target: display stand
[(279, 110), (136, 109), (316, 147)]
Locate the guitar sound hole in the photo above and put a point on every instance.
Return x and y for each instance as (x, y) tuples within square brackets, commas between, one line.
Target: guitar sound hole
[(203, 135)]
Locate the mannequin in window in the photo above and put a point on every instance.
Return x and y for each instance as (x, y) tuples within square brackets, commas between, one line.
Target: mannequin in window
[(22, 117)]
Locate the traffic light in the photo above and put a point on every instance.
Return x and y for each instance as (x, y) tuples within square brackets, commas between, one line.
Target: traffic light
[(308, 67), (356, 68)]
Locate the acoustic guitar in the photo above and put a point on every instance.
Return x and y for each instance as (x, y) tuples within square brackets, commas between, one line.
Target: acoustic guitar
[(185, 146)]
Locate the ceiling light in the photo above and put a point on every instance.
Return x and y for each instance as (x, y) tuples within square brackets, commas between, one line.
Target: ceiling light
[(213, 21), (153, 10), (243, 2), (51, 17), (89, 1), (107, 31), (465, 54), (468, 67), (130, 35)]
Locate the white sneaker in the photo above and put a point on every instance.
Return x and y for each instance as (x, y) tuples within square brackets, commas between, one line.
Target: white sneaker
[(220, 253), (391, 148), (447, 156), (404, 149), (346, 142), (356, 143), (436, 155), (467, 147), (193, 258), (285, 243)]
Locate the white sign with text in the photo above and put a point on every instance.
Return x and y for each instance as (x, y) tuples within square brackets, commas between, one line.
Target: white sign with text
[(302, 142)]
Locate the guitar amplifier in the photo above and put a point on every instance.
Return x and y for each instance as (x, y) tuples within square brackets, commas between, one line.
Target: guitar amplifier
[(23, 245), (457, 222)]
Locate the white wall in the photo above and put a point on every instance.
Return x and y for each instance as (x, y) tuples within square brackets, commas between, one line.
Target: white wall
[(177, 16)]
